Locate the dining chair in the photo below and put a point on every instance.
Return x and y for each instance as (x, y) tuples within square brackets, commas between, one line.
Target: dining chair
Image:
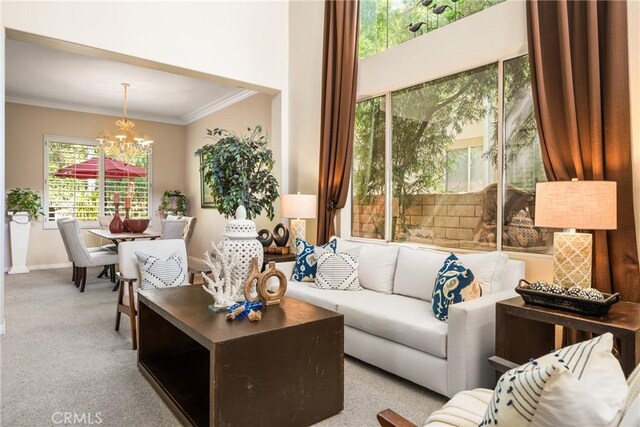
[(188, 229), (172, 229), (81, 256), (129, 274), (63, 235)]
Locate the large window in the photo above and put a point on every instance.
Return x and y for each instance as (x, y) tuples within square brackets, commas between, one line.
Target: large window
[(386, 23), (80, 182), (445, 177)]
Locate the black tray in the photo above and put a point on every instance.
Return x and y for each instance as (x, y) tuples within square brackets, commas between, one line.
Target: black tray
[(567, 302)]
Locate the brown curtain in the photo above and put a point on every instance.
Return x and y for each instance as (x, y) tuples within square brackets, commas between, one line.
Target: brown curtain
[(339, 79), (579, 69)]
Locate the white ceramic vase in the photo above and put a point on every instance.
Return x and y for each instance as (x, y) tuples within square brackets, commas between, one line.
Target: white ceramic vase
[(240, 237), (19, 234)]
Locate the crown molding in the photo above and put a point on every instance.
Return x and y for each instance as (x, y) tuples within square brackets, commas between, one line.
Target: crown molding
[(212, 107), (90, 110), (197, 114)]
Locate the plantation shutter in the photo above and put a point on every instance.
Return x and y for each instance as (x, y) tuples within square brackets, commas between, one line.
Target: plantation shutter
[(138, 187), (69, 196)]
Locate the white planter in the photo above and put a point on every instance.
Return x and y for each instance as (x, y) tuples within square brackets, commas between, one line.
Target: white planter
[(19, 233)]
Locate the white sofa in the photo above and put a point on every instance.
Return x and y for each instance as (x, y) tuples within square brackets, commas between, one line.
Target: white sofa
[(390, 324)]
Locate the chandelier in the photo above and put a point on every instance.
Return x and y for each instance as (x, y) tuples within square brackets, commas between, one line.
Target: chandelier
[(124, 143)]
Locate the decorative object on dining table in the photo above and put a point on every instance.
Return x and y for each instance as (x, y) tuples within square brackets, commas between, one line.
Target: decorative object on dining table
[(256, 286), (221, 284), (240, 238), (238, 170), (173, 202), (243, 309), (136, 225), (297, 207), (116, 225), (575, 298), (571, 205)]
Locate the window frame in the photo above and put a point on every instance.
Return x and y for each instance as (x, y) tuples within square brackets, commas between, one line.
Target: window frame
[(346, 214), (53, 225)]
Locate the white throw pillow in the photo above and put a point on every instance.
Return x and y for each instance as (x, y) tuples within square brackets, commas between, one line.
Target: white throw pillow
[(337, 271), (588, 390), (377, 264), (156, 273), (632, 416)]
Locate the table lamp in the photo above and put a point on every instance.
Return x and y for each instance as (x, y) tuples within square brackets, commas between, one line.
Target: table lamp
[(298, 207), (571, 205)]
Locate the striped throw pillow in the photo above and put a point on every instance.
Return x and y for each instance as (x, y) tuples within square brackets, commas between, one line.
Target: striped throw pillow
[(156, 273), (338, 271)]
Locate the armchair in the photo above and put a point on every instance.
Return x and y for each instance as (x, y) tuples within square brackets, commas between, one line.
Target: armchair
[(129, 275)]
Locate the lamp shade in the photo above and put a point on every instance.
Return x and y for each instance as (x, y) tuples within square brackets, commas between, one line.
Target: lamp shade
[(299, 205), (583, 205)]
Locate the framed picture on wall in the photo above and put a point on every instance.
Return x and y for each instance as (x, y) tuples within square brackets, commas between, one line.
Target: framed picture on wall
[(206, 201)]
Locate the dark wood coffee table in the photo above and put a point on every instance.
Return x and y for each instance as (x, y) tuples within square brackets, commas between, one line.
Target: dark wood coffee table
[(285, 370)]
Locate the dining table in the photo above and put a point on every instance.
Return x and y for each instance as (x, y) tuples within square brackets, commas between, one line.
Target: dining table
[(118, 238)]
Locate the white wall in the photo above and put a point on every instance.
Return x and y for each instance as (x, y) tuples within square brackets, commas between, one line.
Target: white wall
[(245, 41), (305, 96)]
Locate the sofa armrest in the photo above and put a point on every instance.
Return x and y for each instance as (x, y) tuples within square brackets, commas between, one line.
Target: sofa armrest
[(286, 268), (471, 341), (389, 418)]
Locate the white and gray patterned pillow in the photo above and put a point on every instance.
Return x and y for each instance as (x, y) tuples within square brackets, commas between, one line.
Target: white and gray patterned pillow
[(338, 271), (156, 273)]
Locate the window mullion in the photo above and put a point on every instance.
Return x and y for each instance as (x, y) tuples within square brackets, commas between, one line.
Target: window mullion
[(388, 175), (500, 190), (101, 183)]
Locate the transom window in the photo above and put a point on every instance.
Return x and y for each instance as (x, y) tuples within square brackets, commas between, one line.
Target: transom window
[(80, 182)]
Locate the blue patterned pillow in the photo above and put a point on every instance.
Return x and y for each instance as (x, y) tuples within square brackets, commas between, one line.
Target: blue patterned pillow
[(454, 283), (305, 268)]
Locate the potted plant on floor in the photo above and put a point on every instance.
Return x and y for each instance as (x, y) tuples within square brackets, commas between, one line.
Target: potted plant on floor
[(23, 205)]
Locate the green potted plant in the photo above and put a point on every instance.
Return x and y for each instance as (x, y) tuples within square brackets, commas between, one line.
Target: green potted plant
[(174, 202), (239, 171), (23, 205)]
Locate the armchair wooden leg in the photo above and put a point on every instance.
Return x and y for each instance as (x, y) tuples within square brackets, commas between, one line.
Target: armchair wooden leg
[(132, 316), (83, 274), (118, 312)]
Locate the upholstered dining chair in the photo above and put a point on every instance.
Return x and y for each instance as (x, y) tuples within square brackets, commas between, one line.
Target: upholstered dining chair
[(63, 235), (130, 278), (81, 256), (189, 227), (172, 229)]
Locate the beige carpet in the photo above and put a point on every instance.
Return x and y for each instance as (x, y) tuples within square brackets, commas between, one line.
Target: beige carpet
[(60, 354)]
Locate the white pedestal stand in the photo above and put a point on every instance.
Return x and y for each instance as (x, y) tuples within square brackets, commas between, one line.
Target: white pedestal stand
[(19, 233)]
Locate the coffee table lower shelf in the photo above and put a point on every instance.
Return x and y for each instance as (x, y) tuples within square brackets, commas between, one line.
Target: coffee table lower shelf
[(182, 381)]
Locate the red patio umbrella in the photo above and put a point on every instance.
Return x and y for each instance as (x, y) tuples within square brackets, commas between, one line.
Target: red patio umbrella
[(90, 169)]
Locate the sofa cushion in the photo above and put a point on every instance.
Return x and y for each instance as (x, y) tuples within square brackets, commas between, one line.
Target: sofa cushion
[(417, 269), (377, 264), (325, 298), (407, 321)]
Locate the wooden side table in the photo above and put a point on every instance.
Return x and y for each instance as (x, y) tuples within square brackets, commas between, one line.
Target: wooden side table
[(525, 330)]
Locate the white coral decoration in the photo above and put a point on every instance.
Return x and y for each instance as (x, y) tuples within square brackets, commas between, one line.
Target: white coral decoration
[(220, 286)]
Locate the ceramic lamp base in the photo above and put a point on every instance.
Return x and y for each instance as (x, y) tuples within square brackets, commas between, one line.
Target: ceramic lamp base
[(298, 231), (572, 259)]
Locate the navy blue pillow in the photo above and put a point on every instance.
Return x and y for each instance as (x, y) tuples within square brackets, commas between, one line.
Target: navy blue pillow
[(454, 283), (305, 268)]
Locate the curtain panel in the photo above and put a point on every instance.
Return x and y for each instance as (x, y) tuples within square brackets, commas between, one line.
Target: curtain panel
[(339, 79), (580, 77)]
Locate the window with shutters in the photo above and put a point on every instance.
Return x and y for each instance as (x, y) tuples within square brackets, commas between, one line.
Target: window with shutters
[(80, 182)]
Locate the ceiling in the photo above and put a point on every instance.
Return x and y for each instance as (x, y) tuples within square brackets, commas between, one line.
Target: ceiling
[(46, 77)]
